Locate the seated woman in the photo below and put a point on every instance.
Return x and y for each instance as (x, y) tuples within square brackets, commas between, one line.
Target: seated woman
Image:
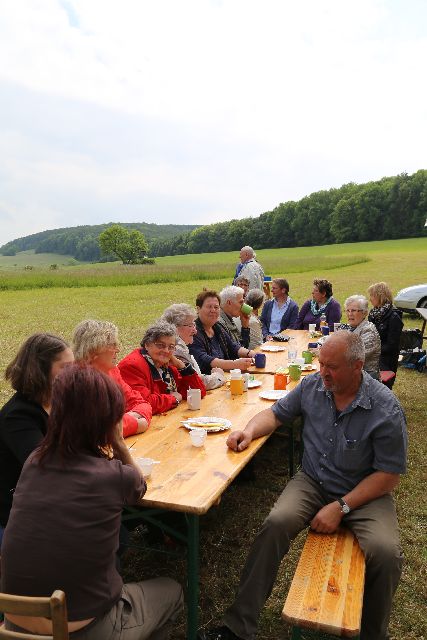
[(182, 316), (255, 299), (322, 302), (97, 343), (212, 345), (23, 419), (280, 313), (156, 373), (356, 308), (63, 529), (388, 321)]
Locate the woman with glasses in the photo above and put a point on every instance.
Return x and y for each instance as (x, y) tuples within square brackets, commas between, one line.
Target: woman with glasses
[(97, 343), (356, 308), (160, 377), (183, 317)]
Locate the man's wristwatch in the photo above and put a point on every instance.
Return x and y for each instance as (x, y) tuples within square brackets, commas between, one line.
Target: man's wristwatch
[(344, 506)]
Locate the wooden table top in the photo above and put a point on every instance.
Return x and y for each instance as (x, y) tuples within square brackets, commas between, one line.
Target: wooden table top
[(192, 479)]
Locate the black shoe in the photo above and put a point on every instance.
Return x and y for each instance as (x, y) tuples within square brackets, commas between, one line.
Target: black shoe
[(217, 633)]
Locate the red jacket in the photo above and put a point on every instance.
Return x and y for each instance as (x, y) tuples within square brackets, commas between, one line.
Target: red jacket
[(145, 378), (133, 402)]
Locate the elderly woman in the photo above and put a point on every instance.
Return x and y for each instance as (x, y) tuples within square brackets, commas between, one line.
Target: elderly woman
[(65, 520), (356, 308), (212, 345), (280, 313), (182, 316), (255, 299), (322, 303), (23, 419), (97, 343), (388, 321), (156, 373)]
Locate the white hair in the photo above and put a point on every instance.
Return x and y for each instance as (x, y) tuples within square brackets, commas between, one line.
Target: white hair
[(177, 314), (90, 336), (247, 249), (358, 299), (230, 293)]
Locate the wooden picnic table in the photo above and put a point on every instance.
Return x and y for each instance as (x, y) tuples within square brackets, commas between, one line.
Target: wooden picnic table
[(190, 479)]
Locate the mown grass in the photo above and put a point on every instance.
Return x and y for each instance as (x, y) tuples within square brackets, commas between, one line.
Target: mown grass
[(227, 531)]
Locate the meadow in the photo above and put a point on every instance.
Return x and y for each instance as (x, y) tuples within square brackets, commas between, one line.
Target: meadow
[(132, 298)]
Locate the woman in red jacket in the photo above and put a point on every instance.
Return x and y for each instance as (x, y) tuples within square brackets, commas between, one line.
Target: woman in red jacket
[(156, 373), (97, 343)]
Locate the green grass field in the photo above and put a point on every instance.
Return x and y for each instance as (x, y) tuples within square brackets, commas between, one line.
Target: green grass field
[(124, 296)]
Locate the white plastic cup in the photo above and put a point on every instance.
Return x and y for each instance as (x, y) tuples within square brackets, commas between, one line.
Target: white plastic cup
[(300, 361), (198, 437), (146, 465), (312, 328), (337, 326)]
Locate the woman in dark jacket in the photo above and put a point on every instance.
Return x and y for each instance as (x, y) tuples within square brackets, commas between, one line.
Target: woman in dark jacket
[(388, 321), (23, 419)]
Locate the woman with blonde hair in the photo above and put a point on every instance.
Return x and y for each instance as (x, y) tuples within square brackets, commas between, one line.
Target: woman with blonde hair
[(388, 322), (96, 343)]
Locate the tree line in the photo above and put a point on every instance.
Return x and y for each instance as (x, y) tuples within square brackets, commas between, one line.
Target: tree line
[(83, 242), (393, 207)]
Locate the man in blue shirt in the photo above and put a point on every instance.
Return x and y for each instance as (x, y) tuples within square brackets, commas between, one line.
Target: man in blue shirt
[(354, 451)]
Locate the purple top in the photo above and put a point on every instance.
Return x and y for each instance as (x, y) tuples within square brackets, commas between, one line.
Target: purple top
[(305, 317)]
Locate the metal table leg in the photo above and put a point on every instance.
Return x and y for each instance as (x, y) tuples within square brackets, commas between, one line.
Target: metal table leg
[(192, 575)]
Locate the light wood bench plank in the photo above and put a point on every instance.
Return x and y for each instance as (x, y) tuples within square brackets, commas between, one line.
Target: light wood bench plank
[(326, 593)]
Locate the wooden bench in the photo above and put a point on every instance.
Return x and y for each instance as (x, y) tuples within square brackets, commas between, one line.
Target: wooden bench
[(326, 593)]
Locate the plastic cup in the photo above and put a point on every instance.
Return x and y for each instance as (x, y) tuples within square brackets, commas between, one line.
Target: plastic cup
[(246, 309), (294, 372), (292, 354), (198, 437), (312, 328), (308, 357), (146, 465), (325, 331)]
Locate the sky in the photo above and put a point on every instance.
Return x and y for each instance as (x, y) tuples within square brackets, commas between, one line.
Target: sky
[(199, 111)]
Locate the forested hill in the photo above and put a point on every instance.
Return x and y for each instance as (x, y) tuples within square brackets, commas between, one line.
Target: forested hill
[(394, 207), (82, 242)]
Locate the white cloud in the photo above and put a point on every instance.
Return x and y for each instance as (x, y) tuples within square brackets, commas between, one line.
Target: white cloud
[(202, 109)]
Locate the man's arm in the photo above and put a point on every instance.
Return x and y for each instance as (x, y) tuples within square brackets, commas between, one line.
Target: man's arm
[(262, 424), (375, 485)]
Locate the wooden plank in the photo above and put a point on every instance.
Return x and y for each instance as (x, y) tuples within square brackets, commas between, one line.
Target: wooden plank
[(326, 593)]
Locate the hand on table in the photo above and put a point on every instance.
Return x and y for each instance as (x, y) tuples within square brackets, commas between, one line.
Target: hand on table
[(239, 440), (242, 363), (328, 519)]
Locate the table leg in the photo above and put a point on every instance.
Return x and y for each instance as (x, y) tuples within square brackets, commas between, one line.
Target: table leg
[(192, 575)]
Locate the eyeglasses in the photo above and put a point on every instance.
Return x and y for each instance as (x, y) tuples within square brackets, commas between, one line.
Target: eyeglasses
[(354, 311), (164, 347), (192, 324)]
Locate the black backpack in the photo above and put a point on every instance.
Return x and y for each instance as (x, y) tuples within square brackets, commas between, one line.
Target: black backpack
[(411, 339)]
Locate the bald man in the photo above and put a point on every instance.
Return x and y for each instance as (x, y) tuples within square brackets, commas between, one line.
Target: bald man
[(354, 451)]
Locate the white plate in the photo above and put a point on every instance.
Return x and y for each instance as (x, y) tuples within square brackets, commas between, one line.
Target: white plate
[(273, 394), (252, 384), (202, 423), (308, 367), (273, 347)]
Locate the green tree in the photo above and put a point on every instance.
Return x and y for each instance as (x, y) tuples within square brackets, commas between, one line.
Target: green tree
[(129, 246)]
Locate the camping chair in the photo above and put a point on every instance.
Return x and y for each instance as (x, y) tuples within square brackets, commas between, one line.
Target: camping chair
[(53, 607)]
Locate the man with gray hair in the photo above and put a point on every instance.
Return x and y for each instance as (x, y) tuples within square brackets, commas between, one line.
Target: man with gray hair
[(354, 436), (249, 268), (232, 299)]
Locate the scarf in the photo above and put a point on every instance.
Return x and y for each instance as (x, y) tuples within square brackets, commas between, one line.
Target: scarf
[(165, 373), (377, 314), (317, 311)]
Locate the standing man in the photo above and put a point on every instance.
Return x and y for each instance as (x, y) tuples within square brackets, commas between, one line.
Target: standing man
[(249, 268), (354, 437)]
